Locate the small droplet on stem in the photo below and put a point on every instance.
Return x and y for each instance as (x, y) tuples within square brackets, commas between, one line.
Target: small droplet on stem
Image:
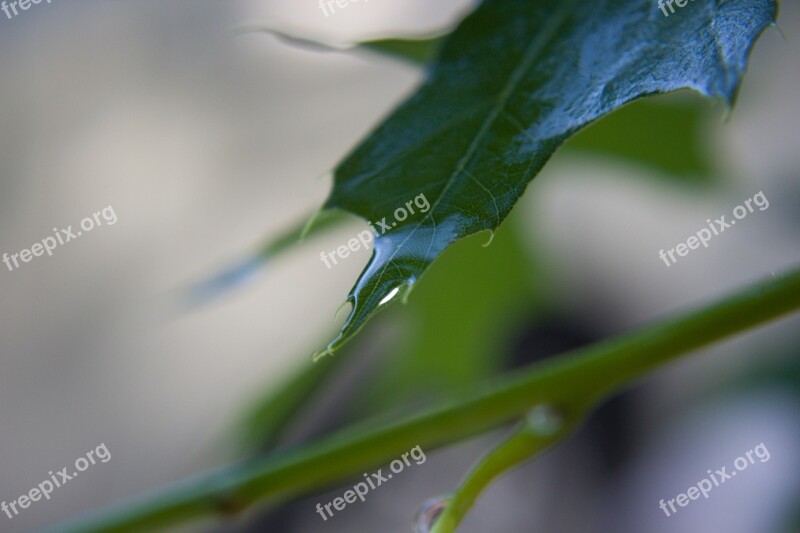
[(544, 420), (429, 512)]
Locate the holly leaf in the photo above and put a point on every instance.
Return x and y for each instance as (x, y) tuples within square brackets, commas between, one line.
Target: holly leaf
[(510, 85)]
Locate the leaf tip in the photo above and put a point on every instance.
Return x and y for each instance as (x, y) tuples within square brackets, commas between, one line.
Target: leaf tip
[(316, 356), (310, 224)]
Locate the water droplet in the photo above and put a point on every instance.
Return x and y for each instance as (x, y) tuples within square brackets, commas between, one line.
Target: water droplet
[(544, 420), (390, 295), (429, 512)]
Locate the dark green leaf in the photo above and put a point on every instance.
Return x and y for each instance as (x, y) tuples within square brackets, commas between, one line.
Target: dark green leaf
[(511, 84)]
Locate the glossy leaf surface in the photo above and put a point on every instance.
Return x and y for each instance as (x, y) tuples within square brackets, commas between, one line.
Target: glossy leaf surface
[(512, 83)]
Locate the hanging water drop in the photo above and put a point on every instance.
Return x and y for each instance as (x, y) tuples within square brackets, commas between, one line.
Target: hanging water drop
[(389, 296), (429, 512)]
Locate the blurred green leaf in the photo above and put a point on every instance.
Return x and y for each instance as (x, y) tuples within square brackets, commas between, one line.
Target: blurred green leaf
[(234, 275), (458, 322), (414, 50), (266, 422), (663, 134), (511, 84)]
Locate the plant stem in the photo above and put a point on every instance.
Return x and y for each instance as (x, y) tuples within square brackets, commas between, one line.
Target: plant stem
[(527, 442), (583, 375)]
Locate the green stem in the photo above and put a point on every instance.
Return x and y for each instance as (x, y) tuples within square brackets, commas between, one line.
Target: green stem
[(523, 445), (588, 373)]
